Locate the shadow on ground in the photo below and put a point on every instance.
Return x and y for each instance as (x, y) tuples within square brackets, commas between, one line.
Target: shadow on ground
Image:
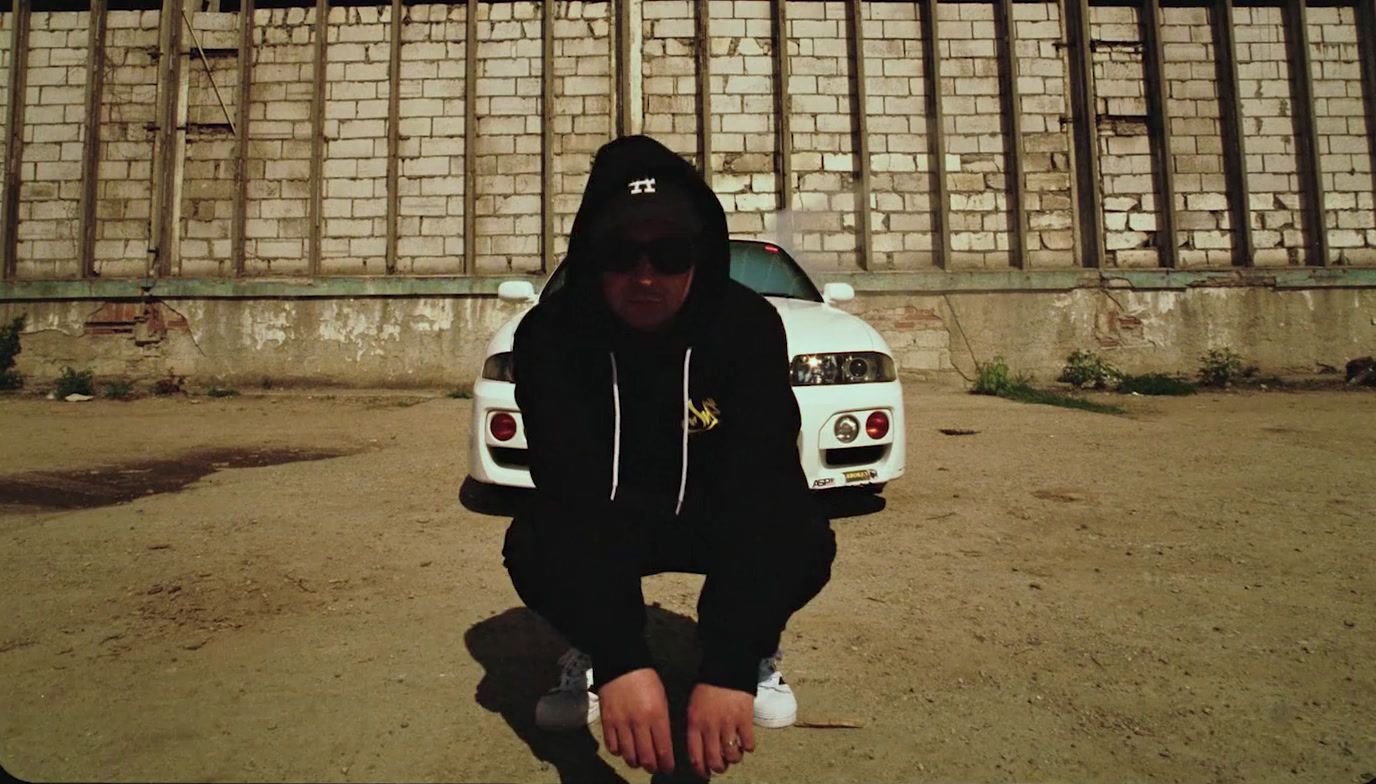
[(849, 502), (499, 501), (518, 653)]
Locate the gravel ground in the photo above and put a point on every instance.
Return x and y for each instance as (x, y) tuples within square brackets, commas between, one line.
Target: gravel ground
[(286, 586)]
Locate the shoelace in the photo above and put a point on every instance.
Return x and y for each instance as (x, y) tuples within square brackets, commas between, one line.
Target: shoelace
[(573, 675)]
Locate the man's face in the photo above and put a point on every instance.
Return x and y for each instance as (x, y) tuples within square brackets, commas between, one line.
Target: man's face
[(644, 297)]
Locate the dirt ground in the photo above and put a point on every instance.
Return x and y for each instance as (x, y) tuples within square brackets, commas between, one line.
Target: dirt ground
[(1184, 593)]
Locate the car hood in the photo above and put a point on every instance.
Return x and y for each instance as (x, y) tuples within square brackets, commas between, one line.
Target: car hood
[(812, 328)]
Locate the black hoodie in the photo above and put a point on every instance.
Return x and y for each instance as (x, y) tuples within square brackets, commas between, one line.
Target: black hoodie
[(696, 425)]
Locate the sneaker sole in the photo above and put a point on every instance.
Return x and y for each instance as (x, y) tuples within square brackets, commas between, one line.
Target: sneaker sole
[(776, 722)]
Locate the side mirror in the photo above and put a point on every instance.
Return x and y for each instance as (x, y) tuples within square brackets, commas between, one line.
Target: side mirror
[(836, 293), (517, 292)]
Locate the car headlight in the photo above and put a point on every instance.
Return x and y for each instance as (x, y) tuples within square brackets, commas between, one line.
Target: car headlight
[(857, 367), (498, 368)]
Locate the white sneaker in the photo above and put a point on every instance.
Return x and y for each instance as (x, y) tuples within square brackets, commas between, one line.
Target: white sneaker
[(775, 705), (572, 705)]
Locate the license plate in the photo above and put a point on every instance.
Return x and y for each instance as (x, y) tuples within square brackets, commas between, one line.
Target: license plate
[(857, 476)]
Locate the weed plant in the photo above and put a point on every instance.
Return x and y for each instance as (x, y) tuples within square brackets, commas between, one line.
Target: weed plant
[(9, 349), (75, 382), (117, 390), (1220, 367), (993, 378), (1088, 370)]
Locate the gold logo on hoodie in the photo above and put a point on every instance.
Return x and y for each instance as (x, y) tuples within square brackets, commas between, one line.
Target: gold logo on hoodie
[(704, 417)]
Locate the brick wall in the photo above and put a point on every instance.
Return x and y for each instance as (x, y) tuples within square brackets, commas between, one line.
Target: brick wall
[(744, 134), (822, 99), (128, 109), (207, 199), (1125, 159), (900, 134), (353, 239), (583, 85), (431, 173), (821, 225), (277, 231), (1279, 230), (670, 83), (1042, 79), (50, 190), (1344, 152), (508, 140), (1203, 223), (976, 164)]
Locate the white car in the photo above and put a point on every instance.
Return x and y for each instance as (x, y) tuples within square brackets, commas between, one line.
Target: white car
[(842, 371)]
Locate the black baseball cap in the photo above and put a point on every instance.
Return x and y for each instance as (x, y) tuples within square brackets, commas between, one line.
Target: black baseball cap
[(649, 199)]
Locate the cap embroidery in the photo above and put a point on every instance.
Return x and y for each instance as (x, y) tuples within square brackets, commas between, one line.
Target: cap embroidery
[(646, 185)]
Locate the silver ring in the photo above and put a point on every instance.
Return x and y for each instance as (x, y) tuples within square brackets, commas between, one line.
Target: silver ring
[(733, 743)]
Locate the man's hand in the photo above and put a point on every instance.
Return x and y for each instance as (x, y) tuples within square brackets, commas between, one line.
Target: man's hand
[(635, 720), (720, 728)]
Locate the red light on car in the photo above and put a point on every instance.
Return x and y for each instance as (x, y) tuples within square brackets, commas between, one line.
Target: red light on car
[(503, 426), (771, 248), (877, 425)]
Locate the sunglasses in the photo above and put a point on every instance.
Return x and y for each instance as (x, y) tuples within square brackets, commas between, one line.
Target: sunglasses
[(668, 255)]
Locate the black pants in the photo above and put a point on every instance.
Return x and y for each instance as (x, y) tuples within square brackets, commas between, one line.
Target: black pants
[(670, 546)]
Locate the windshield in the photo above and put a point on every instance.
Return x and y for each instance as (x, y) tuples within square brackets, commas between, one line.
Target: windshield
[(765, 268)]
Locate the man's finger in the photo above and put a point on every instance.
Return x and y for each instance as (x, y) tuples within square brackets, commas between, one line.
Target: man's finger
[(695, 754), (626, 740), (730, 745), (609, 738), (664, 743), (711, 748), (747, 734), (645, 752)]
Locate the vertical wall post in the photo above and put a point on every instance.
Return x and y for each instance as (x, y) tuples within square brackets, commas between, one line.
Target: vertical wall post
[(1084, 117), (1366, 53), (704, 51), (1159, 126), (621, 54), (1311, 168), (470, 139), (165, 202), (862, 136), (936, 136), (240, 219), (90, 153), (22, 10), (394, 136), (1012, 132), (317, 184), (1234, 139), (781, 106), (547, 135)]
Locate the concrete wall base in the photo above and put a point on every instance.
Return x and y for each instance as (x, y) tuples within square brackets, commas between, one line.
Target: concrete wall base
[(438, 341)]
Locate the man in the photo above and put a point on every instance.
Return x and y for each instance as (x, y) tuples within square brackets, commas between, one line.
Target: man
[(662, 436)]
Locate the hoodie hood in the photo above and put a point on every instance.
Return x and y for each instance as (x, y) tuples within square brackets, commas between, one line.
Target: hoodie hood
[(622, 169)]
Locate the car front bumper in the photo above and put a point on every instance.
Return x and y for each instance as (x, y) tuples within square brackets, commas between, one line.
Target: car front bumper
[(827, 462)]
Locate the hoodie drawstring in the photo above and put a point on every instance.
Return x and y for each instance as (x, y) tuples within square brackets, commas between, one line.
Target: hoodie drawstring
[(616, 433), (616, 429), (683, 477)]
